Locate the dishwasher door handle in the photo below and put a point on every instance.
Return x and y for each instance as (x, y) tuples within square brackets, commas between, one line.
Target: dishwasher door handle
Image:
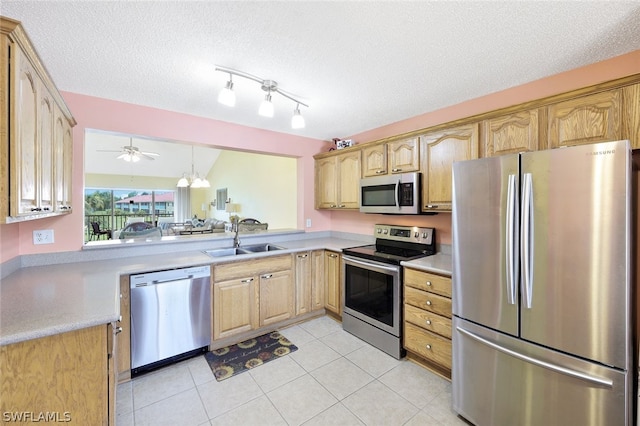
[(170, 280)]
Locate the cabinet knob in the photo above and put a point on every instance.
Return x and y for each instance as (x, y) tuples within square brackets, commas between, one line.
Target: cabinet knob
[(428, 322), (428, 283), (266, 276), (431, 206), (429, 302), (248, 280), (429, 347), (117, 330), (396, 170), (380, 172), (341, 206), (333, 206), (302, 256), (333, 255)]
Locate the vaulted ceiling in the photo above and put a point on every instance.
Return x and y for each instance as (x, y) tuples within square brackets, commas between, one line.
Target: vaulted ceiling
[(357, 64)]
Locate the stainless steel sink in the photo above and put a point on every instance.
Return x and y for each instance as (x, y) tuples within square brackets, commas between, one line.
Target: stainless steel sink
[(234, 251), (258, 248)]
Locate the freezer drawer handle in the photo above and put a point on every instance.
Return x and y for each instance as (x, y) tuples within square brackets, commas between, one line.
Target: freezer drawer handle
[(539, 363)]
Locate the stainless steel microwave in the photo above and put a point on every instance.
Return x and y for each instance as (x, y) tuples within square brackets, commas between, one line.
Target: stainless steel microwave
[(391, 194)]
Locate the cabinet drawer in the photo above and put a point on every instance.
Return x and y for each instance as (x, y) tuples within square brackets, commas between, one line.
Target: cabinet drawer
[(428, 320), (428, 345), (428, 282), (428, 301), (253, 267)]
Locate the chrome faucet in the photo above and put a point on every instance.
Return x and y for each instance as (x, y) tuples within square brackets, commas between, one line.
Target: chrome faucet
[(236, 240)]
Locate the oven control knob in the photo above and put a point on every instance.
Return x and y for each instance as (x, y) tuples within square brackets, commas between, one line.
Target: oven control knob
[(424, 235), (379, 231), (417, 234), (385, 232)]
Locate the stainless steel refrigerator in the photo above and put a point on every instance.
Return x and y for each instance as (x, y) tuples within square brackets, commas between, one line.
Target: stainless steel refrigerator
[(542, 284)]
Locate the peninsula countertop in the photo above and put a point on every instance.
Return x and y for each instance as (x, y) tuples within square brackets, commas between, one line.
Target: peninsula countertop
[(40, 301)]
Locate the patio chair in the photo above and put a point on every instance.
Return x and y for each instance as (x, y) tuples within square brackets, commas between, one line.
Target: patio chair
[(96, 232)]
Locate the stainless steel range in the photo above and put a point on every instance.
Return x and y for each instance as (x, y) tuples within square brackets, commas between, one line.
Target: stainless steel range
[(372, 285)]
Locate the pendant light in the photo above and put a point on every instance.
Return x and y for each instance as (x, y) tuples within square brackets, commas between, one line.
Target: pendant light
[(194, 180), (227, 96), (297, 121)]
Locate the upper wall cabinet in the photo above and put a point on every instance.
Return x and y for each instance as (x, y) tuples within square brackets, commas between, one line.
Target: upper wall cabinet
[(35, 132), (510, 133), (439, 150), (401, 156), (631, 114), (587, 119), (337, 181)]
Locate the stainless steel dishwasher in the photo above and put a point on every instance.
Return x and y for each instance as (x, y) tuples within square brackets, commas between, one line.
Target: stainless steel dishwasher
[(170, 316)]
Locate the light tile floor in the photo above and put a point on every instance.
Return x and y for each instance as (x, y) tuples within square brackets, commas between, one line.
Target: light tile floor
[(333, 378)]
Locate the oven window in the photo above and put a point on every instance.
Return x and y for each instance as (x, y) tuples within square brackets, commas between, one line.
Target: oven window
[(379, 195), (370, 293)]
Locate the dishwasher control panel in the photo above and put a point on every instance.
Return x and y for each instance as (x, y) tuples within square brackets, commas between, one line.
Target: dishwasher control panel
[(151, 278)]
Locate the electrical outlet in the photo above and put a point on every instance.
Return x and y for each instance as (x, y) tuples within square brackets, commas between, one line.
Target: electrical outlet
[(43, 236), (308, 223)]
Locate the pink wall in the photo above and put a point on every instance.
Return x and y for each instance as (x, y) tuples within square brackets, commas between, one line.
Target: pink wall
[(96, 113), (599, 72), (104, 114)]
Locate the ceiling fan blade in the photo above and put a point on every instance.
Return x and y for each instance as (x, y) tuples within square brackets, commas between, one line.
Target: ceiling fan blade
[(107, 150), (144, 155), (154, 154)]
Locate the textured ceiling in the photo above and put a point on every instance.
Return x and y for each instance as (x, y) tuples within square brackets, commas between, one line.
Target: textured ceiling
[(359, 65)]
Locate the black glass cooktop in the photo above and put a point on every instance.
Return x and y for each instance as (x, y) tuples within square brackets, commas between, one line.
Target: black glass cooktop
[(388, 252)]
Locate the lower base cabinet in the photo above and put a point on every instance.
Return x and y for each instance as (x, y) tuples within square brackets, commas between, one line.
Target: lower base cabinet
[(427, 320), (65, 378), (251, 294), (333, 293)]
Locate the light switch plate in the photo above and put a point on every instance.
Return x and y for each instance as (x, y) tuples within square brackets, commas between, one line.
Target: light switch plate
[(43, 236), (308, 223)]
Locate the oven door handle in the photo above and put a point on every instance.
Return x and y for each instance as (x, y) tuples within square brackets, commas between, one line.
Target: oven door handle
[(369, 264)]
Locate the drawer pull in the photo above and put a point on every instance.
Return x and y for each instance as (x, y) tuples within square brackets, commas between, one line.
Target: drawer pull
[(428, 322), (429, 302), (428, 283), (429, 347)]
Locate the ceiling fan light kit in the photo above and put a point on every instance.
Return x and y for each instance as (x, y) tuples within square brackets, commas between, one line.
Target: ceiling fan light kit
[(228, 97)]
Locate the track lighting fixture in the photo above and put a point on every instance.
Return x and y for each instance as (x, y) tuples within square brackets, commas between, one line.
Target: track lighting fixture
[(227, 96)]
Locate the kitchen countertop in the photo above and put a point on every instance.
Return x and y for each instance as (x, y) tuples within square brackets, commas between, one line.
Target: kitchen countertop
[(439, 263), (40, 301)]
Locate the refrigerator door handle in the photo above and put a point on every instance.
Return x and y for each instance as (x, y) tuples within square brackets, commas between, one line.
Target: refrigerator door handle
[(511, 239), (553, 367), (526, 249)]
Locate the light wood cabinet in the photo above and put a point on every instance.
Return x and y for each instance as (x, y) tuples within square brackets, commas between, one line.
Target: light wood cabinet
[(401, 156), (123, 338), (587, 119), (235, 306), (439, 150), (333, 292), (251, 294), (631, 117), (317, 281), (30, 154), (63, 159), (66, 375), (337, 181), (427, 319), (511, 133), (309, 281), (276, 297)]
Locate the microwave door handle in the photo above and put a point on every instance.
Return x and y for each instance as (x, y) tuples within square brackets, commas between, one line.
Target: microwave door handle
[(398, 193)]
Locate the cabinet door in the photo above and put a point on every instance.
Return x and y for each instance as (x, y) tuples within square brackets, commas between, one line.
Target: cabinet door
[(511, 133), (440, 150), (124, 337), (276, 297), (349, 180), (68, 167), (58, 159), (25, 146), (326, 183), (374, 160), (588, 119), (234, 307), (317, 281), (46, 148), (303, 279), (404, 155), (332, 279)]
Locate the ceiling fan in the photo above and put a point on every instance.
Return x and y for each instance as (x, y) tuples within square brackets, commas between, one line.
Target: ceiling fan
[(132, 153)]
